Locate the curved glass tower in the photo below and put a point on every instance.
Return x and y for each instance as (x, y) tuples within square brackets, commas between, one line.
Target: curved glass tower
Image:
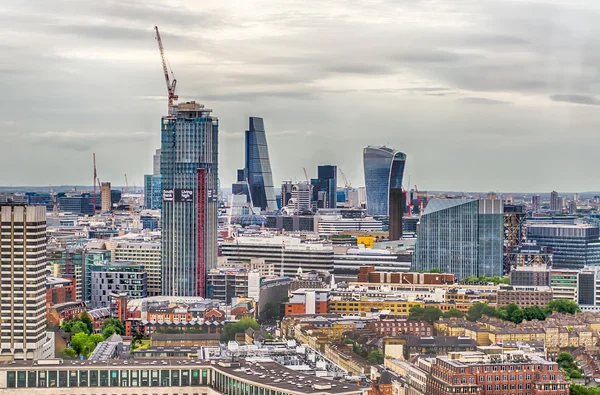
[(384, 168), (258, 166)]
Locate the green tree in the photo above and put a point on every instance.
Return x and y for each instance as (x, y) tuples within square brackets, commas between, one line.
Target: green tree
[(479, 309), (112, 326), (435, 270), (454, 313), (79, 326), (68, 353), (416, 313), (533, 313), (562, 306), (79, 342), (431, 314), (513, 313), (376, 357), (230, 329), (565, 360), (85, 318), (67, 326)]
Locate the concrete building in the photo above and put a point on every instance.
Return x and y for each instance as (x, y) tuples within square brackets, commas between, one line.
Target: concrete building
[(189, 177), (105, 198), (226, 284), (347, 261), (329, 222), (23, 285), (564, 284), (288, 254), (116, 278), (145, 253), (308, 301), (291, 223), (300, 202), (461, 236), (555, 202), (573, 246), (531, 276)]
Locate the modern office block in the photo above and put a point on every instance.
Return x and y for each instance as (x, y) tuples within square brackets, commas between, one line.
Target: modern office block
[(23, 285), (146, 254), (324, 193), (189, 176), (384, 169), (258, 166), (573, 246), (461, 236), (152, 192)]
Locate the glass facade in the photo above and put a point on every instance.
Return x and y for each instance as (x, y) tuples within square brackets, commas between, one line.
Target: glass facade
[(461, 236), (189, 176), (384, 169), (573, 246), (258, 166), (152, 192)]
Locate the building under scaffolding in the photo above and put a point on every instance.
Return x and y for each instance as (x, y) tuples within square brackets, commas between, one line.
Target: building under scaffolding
[(515, 233)]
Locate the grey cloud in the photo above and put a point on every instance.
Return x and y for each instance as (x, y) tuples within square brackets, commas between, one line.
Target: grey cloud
[(481, 100), (576, 99), (245, 96), (359, 69)]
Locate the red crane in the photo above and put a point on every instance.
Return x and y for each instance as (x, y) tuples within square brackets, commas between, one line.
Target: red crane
[(95, 178), (170, 84)]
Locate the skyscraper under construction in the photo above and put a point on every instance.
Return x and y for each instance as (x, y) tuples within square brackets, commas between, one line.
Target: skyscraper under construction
[(189, 176)]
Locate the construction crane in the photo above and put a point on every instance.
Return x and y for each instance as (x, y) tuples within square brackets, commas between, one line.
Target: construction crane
[(419, 202), (128, 193), (346, 185), (171, 85), (306, 175), (95, 178)]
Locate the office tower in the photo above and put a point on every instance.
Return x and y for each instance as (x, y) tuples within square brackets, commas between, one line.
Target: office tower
[(189, 176), (117, 277), (105, 197), (396, 207), (300, 201), (384, 168), (152, 185), (535, 203), (80, 204), (325, 187), (572, 207), (258, 167), (461, 236), (23, 271), (286, 192), (555, 201), (576, 197), (574, 246)]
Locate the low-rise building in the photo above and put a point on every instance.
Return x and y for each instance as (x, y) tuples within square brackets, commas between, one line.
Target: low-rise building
[(524, 296), (397, 327)]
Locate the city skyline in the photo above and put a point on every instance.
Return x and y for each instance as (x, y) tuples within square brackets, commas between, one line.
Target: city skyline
[(468, 90)]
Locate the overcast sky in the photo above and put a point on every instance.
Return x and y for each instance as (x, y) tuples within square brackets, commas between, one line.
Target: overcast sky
[(481, 95)]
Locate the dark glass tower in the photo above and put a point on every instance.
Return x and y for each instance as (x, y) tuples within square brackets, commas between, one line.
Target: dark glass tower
[(189, 175), (325, 187), (258, 166), (384, 168)]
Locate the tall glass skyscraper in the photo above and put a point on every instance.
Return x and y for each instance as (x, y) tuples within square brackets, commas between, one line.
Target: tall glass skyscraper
[(189, 176), (258, 166), (384, 168), (152, 185), (325, 187), (461, 236)]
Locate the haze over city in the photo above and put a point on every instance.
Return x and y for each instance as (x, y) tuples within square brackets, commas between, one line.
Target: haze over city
[(480, 95)]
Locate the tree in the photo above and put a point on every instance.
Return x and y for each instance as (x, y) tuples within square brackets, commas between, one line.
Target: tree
[(513, 313), (454, 313), (431, 314), (85, 318), (79, 326), (566, 362), (112, 326), (271, 311), (376, 357), (79, 342), (533, 313), (230, 329), (435, 270), (416, 313), (562, 306), (479, 309), (69, 353)]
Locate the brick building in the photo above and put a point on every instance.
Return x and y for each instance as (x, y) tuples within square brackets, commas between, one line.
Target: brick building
[(59, 290), (308, 301), (481, 374), (401, 327), (367, 274), (524, 296)]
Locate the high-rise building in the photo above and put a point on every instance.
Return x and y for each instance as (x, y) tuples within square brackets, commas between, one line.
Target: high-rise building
[(145, 253), (286, 192), (535, 203), (189, 176), (461, 236), (572, 207), (300, 201), (325, 187), (384, 168), (105, 197), (258, 166), (555, 201), (152, 185), (23, 285)]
